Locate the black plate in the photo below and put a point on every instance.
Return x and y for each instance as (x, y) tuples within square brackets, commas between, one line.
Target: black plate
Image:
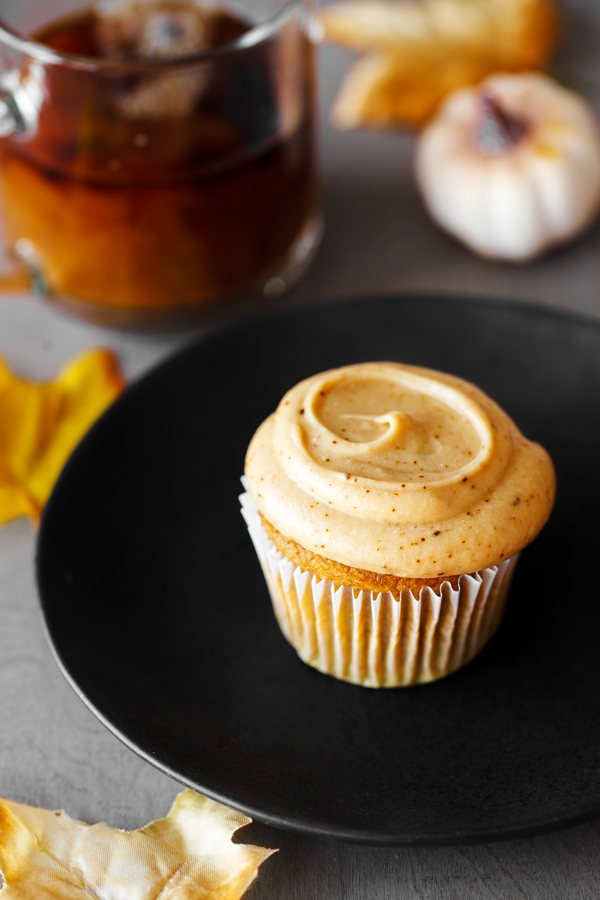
[(160, 618)]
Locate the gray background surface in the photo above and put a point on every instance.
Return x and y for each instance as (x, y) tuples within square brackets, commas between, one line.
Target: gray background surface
[(54, 753)]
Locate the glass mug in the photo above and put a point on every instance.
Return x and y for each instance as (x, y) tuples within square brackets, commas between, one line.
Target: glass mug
[(138, 190)]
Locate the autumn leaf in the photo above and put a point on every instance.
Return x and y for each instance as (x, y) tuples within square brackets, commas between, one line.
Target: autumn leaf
[(40, 425), (188, 855), (416, 53)]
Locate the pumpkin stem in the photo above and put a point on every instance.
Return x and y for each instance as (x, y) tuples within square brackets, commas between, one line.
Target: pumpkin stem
[(497, 131)]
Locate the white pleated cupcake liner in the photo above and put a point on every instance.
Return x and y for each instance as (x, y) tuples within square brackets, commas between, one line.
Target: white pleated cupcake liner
[(373, 639)]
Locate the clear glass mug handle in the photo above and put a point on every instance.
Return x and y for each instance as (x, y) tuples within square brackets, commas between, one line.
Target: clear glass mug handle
[(15, 274)]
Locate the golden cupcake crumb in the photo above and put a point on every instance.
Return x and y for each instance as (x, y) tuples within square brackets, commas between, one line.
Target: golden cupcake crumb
[(361, 579)]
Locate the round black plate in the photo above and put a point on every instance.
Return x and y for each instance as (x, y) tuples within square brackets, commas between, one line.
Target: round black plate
[(160, 618)]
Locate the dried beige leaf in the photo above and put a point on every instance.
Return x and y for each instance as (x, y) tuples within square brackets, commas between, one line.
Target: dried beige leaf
[(188, 855), (419, 51)]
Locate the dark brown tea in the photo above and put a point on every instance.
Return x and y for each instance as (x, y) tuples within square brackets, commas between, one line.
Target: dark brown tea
[(160, 187)]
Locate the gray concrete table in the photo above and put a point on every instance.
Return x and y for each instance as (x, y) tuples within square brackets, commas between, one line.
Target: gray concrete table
[(54, 753)]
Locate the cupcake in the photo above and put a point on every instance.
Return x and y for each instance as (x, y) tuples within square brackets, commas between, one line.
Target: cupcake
[(388, 505)]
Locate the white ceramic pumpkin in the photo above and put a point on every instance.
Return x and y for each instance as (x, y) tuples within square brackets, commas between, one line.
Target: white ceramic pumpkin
[(512, 166)]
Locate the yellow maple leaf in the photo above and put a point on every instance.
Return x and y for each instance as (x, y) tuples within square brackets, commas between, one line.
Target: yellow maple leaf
[(419, 51), (40, 425), (188, 855)]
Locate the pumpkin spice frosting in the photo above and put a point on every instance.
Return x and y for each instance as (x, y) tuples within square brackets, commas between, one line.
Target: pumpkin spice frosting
[(399, 470)]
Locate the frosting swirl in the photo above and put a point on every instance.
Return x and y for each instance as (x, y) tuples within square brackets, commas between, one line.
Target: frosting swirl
[(399, 470)]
